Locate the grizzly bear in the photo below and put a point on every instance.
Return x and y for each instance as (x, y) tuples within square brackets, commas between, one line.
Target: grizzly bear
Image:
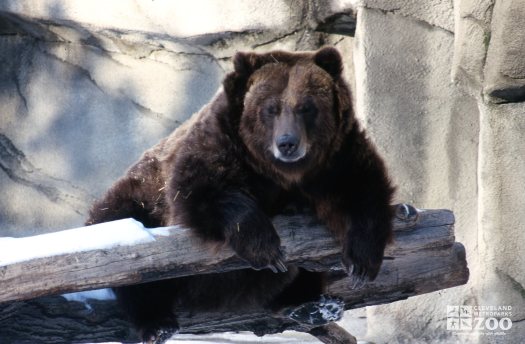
[(281, 132)]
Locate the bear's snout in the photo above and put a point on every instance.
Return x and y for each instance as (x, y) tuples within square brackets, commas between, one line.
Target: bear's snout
[(289, 148), (287, 145)]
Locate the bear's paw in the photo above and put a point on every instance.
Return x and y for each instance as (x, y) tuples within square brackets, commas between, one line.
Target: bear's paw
[(326, 310)]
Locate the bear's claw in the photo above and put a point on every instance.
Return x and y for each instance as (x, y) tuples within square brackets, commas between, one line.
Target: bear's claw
[(357, 280), (279, 265), (406, 212), (276, 264), (361, 259)]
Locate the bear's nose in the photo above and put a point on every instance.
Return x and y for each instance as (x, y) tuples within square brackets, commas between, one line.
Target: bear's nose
[(287, 144)]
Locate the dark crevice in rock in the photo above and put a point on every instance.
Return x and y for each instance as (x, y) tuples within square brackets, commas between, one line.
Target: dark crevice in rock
[(42, 31), (395, 11), (80, 69), (512, 281), (336, 43), (203, 54), (165, 121), (340, 24), (390, 11), (15, 25), (481, 23), (276, 39), (220, 39), (507, 94), (20, 93)]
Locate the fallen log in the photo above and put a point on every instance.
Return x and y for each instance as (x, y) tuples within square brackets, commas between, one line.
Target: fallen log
[(423, 258)]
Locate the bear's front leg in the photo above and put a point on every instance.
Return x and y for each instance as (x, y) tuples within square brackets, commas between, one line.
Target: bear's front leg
[(363, 228), (250, 233), (235, 218), (149, 307), (364, 245)]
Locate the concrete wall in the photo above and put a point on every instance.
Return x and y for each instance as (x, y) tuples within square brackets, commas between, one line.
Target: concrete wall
[(86, 86)]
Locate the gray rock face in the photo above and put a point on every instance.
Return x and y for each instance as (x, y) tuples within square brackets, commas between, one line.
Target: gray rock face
[(489, 48), (436, 13), (505, 67), (451, 146), (82, 99), (471, 40), (80, 104), (427, 130), (502, 145)]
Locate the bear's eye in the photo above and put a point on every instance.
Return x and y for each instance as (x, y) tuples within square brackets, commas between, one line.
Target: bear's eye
[(272, 110), (306, 109)]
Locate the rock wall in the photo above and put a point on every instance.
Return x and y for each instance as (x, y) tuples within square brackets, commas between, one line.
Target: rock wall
[(85, 87), (440, 87), (83, 94), (428, 131)]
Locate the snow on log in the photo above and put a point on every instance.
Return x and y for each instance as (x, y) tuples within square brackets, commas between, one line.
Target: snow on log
[(423, 258)]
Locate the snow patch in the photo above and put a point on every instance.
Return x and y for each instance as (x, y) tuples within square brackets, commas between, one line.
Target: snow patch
[(162, 231), (101, 236), (85, 296), (97, 294), (287, 337)]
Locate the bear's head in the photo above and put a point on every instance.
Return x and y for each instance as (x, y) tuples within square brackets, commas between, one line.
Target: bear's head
[(294, 109)]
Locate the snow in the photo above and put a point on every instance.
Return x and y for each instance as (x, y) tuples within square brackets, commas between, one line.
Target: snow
[(162, 231), (288, 337), (98, 294), (85, 296), (100, 236)]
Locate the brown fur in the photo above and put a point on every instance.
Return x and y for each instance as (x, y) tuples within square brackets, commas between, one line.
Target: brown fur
[(220, 174)]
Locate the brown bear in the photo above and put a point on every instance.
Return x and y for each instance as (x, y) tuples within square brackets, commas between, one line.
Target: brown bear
[(281, 131)]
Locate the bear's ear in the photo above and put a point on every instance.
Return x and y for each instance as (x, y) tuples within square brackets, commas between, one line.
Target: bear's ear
[(246, 63), (330, 60)]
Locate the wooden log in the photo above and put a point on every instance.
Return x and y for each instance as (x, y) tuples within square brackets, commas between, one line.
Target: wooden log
[(172, 252), (333, 334), (423, 258)]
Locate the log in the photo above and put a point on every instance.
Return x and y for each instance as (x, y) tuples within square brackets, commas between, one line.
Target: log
[(423, 258)]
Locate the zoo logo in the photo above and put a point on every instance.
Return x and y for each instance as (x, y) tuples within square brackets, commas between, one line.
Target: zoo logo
[(462, 318)]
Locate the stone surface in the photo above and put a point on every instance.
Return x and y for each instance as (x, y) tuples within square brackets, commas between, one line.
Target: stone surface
[(118, 93), (505, 66), (82, 99), (467, 145), (437, 13), (502, 167), (80, 105), (488, 47), (174, 18), (428, 132), (471, 41)]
